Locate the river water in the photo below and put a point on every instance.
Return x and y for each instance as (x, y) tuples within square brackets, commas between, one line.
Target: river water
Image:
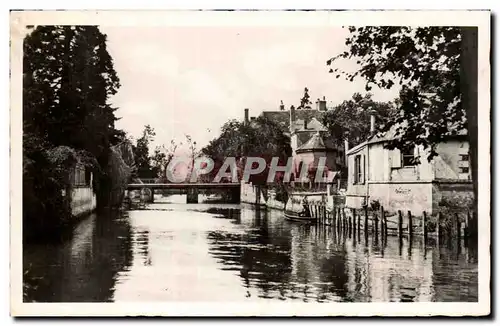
[(222, 252)]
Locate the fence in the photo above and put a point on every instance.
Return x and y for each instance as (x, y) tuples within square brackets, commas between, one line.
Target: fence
[(458, 223)]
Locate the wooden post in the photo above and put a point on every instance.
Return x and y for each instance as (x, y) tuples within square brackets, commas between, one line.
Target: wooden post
[(366, 219), (439, 229), (457, 221), (410, 224), (350, 223), (375, 222), (400, 225), (466, 226), (353, 219), (381, 219), (359, 224), (424, 225), (385, 224)]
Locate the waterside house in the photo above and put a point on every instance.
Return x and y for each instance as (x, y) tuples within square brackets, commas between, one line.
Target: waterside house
[(399, 182), (83, 198), (309, 140)]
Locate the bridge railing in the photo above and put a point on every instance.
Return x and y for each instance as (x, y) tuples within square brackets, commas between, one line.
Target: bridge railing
[(148, 181)]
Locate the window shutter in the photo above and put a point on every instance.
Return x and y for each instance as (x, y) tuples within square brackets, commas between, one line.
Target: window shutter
[(396, 158), (350, 162), (362, 168)]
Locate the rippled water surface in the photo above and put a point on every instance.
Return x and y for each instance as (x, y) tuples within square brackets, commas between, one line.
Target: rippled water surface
[(221, 252)]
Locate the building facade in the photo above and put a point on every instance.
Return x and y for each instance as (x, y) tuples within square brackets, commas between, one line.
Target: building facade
[(407, 180), (83, 198), (309, 140)]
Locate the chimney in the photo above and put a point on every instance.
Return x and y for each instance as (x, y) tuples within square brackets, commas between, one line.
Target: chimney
[(282, 106), (246, 117), (305, 123), (292, 119), (322, 104), (346, 147), (372, 122), (318, 105)]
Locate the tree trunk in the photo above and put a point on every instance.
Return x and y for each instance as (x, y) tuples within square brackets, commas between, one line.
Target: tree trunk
[(469, 73)]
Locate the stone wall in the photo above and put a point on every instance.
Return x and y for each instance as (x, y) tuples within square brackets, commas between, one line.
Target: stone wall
[(83, 201), (458, 195), (271, 201), (252, 194), (416, 197)]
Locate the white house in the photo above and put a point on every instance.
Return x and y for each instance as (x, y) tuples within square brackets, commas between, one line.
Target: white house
[(394, 179)]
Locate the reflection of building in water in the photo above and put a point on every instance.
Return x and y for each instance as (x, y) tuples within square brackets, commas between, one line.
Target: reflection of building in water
[(304, 273), (374, 276), (318, 264)]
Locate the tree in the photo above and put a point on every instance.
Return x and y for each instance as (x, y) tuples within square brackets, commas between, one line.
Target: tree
[(261, 138), (68, 77), (161, 159), (436, 61), (351, 119), (423, 61), (305, 103), (141, 153)]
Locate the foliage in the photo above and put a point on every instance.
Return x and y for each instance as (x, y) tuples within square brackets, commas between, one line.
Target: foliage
[(425, 61), (161, 159), (141, 153), (119, 172), (351, 119), (305, 103), (260, 138), (68, 76)]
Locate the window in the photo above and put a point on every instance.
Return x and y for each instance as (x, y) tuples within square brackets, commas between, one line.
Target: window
[(464, 157), (464, 169), (358, 169), (81, 177), (408, 158)]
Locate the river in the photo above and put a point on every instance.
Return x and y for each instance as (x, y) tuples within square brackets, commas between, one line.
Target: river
[(222, 252)]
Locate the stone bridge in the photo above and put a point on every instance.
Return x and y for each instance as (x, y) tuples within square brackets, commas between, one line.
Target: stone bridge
[(192, 190)]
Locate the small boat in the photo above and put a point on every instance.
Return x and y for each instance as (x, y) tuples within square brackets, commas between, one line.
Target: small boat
[(301, 217)]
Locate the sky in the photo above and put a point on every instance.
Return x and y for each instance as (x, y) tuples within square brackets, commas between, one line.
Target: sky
[(191, 80)]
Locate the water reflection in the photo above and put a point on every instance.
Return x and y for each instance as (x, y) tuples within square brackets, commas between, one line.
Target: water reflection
[(83, 268), (217, 252), (284, 261)]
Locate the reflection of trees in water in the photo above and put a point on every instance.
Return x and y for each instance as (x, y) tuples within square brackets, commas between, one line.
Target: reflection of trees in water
[(455, 272), (281, 259), (261, 255), (142, 244), (84, 268)]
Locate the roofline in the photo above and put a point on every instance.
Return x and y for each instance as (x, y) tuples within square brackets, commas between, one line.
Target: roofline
[(356, 148), (376, 141)]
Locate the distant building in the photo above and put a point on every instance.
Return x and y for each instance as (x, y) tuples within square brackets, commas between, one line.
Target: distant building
[(309, 138), (83, 199), (398, 182)]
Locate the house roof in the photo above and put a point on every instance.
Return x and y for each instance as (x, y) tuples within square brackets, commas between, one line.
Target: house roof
[(390, 134), (283, 118), (315, 143)]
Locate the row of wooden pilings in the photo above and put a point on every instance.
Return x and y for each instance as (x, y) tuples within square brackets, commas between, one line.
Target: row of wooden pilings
[(378, 223)]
